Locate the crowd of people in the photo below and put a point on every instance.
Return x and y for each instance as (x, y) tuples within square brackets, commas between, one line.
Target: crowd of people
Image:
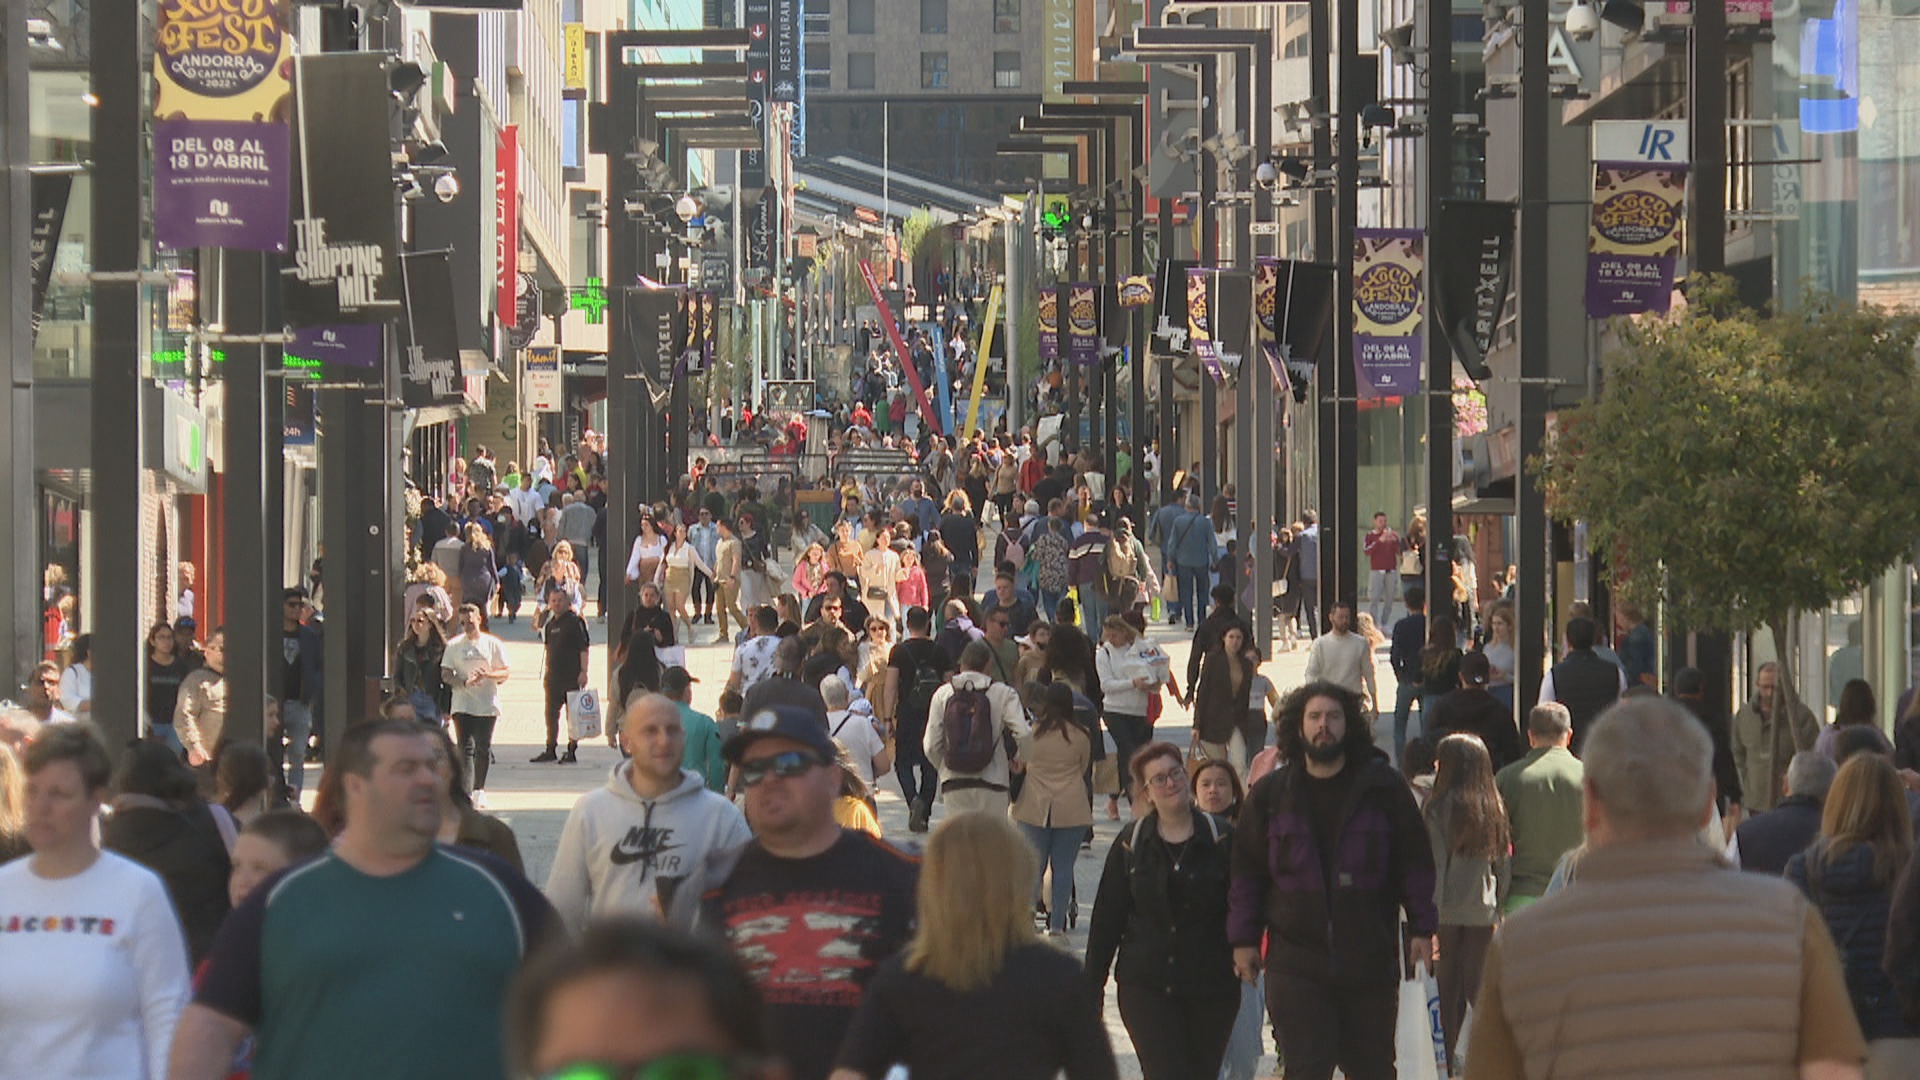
[(729, 904)]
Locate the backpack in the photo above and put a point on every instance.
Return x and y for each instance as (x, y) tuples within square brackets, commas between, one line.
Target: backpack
[(1049, 558), (918, 699), (971, 734), (1132, 833)]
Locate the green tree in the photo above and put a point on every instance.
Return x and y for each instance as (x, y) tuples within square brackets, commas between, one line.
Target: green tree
[(1741, 468)]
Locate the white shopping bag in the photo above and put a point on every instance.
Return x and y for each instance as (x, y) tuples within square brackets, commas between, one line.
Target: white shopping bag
[(1413, 1031), (583, 714)]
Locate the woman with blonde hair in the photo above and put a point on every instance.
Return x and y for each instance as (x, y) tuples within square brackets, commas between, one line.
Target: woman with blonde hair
[(1849, 872), (810, 572), (479, 575), (676, 573), (13, 807), (561, 572), (976, 968)]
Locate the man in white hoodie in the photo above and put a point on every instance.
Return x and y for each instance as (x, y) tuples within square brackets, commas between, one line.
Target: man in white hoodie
[(963, 790), (628, 847)]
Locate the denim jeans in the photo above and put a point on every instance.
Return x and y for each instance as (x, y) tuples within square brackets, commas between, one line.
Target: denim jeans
[(296, 719), (1404, 697), (1057, 849), (1050, 603), (1130, 733), (1194, 589)]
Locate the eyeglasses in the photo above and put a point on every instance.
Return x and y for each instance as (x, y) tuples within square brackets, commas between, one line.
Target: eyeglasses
[(1172, 778), (786, 765), (674, 1067)]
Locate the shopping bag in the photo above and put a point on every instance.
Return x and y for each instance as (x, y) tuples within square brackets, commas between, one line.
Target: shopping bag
[(583, 715), (1106, 776), (1413, 1030), (1460, 1044), (1170, 588)]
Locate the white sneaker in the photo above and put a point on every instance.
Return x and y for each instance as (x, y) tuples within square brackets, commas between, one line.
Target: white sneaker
[(479, 799)]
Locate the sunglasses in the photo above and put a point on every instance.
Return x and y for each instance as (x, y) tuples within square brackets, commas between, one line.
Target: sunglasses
[(674, 1067), (786, 765)]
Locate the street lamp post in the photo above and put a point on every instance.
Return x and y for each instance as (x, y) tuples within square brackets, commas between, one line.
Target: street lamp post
[(1532, 625)]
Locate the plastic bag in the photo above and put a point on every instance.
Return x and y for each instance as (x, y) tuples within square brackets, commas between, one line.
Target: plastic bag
[(1413, 1029), (583, 715)]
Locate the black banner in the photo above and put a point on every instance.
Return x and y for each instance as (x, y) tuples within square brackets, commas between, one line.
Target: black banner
[(1170, 305), (430, 364), (1233, 319), (759, 23), (50, 192), (1306, 319), (655, 332), (342, 266), (1472, 257), (784, 82), (759, 225)]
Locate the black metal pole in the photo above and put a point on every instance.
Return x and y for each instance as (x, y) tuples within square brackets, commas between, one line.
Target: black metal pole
[(1345, 518), (1260, 495), (1169, 449), (252, 619), (625, 410), (1533, 626), (1137, 336), (1320, 45), (1439, 352), (1209, 169), (116, 443), (1110, 274), (1707, 82), (20, 629)]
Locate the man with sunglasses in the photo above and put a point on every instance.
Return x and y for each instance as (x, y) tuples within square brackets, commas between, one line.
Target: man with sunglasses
[(810, 909)]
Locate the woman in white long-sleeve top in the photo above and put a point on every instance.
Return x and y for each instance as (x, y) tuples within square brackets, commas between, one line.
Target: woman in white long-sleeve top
[(1128, 673), (93, 965)]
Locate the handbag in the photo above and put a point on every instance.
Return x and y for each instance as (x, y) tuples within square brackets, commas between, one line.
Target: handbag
[(1413, 1029), (1106, 776), (583, 714), (1410, 563), (1170, 588)]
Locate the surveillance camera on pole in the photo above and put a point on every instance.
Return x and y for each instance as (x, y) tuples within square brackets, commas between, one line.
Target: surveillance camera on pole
[(1583, 20)]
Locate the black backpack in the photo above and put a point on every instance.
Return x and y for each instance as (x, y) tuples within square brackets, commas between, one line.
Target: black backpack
[(972, 736)]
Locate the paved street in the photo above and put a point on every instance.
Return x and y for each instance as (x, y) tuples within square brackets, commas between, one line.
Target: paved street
[(534, 799)]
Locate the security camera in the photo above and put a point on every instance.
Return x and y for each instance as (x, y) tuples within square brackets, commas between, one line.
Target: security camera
[(1583, 20), (446, 187)]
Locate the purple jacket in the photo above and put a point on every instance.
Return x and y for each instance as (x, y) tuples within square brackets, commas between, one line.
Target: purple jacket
[(1383, 863)]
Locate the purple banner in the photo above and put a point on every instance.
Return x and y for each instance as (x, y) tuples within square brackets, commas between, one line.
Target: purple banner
[(331, 348), (1200, 320), (1389, 301), (1266, 311), (1632, 238), (1083, 323), (1048, 310), (220, 183)]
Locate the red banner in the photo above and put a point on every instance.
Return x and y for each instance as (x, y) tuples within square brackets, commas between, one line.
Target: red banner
[(506, 223), (900, 353)]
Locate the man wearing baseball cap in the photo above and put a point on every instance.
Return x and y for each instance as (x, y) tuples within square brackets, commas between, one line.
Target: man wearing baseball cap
[(810, 909), (703, 734)]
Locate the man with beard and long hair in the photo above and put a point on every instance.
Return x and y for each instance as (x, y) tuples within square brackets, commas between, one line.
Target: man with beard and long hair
[(1329, 849)]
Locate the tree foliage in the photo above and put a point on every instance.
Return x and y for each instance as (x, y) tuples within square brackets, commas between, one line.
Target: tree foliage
[(1767, 465)]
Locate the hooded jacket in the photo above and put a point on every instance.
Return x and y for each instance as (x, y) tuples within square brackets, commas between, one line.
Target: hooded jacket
[(621, 853), (1382, 863)]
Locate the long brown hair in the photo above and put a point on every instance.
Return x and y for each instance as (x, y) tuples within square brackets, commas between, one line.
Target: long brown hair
[(1867, 805), (1054, 711), (1465, 801)]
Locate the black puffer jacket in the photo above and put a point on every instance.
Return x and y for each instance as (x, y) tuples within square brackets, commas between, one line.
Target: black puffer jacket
[(185, 848), (1855, 907), (1168, 924)]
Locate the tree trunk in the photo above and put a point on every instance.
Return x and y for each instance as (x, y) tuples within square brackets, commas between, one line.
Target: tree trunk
[(1787, 703)]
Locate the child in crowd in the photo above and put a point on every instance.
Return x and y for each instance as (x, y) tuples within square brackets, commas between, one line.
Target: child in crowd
[(513, 585), (267, 845)]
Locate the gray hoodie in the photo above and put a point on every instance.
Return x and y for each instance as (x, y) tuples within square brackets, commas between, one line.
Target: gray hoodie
[(621, 854)]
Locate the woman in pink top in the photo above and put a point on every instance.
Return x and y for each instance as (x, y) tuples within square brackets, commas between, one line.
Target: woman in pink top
[(810, 572), (913, 580)]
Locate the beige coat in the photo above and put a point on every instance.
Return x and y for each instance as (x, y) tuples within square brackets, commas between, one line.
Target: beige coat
[(1762, 748), (1055, 792)]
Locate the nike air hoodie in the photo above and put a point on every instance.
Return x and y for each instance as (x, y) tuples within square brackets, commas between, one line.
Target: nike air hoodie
[(622, 854)]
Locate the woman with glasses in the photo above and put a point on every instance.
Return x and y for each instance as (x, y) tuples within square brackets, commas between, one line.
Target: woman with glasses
[(1162, 909), (976, 993), (875, 650), (166, 671)]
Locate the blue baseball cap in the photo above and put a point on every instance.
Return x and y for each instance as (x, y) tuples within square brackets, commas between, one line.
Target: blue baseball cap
[(783, 721)]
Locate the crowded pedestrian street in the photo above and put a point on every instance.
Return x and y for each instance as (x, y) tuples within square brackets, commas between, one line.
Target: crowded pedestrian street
[(959, 540)]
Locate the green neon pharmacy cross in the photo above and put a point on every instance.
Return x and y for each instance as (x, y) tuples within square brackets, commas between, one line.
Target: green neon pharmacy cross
[(591, 299)]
